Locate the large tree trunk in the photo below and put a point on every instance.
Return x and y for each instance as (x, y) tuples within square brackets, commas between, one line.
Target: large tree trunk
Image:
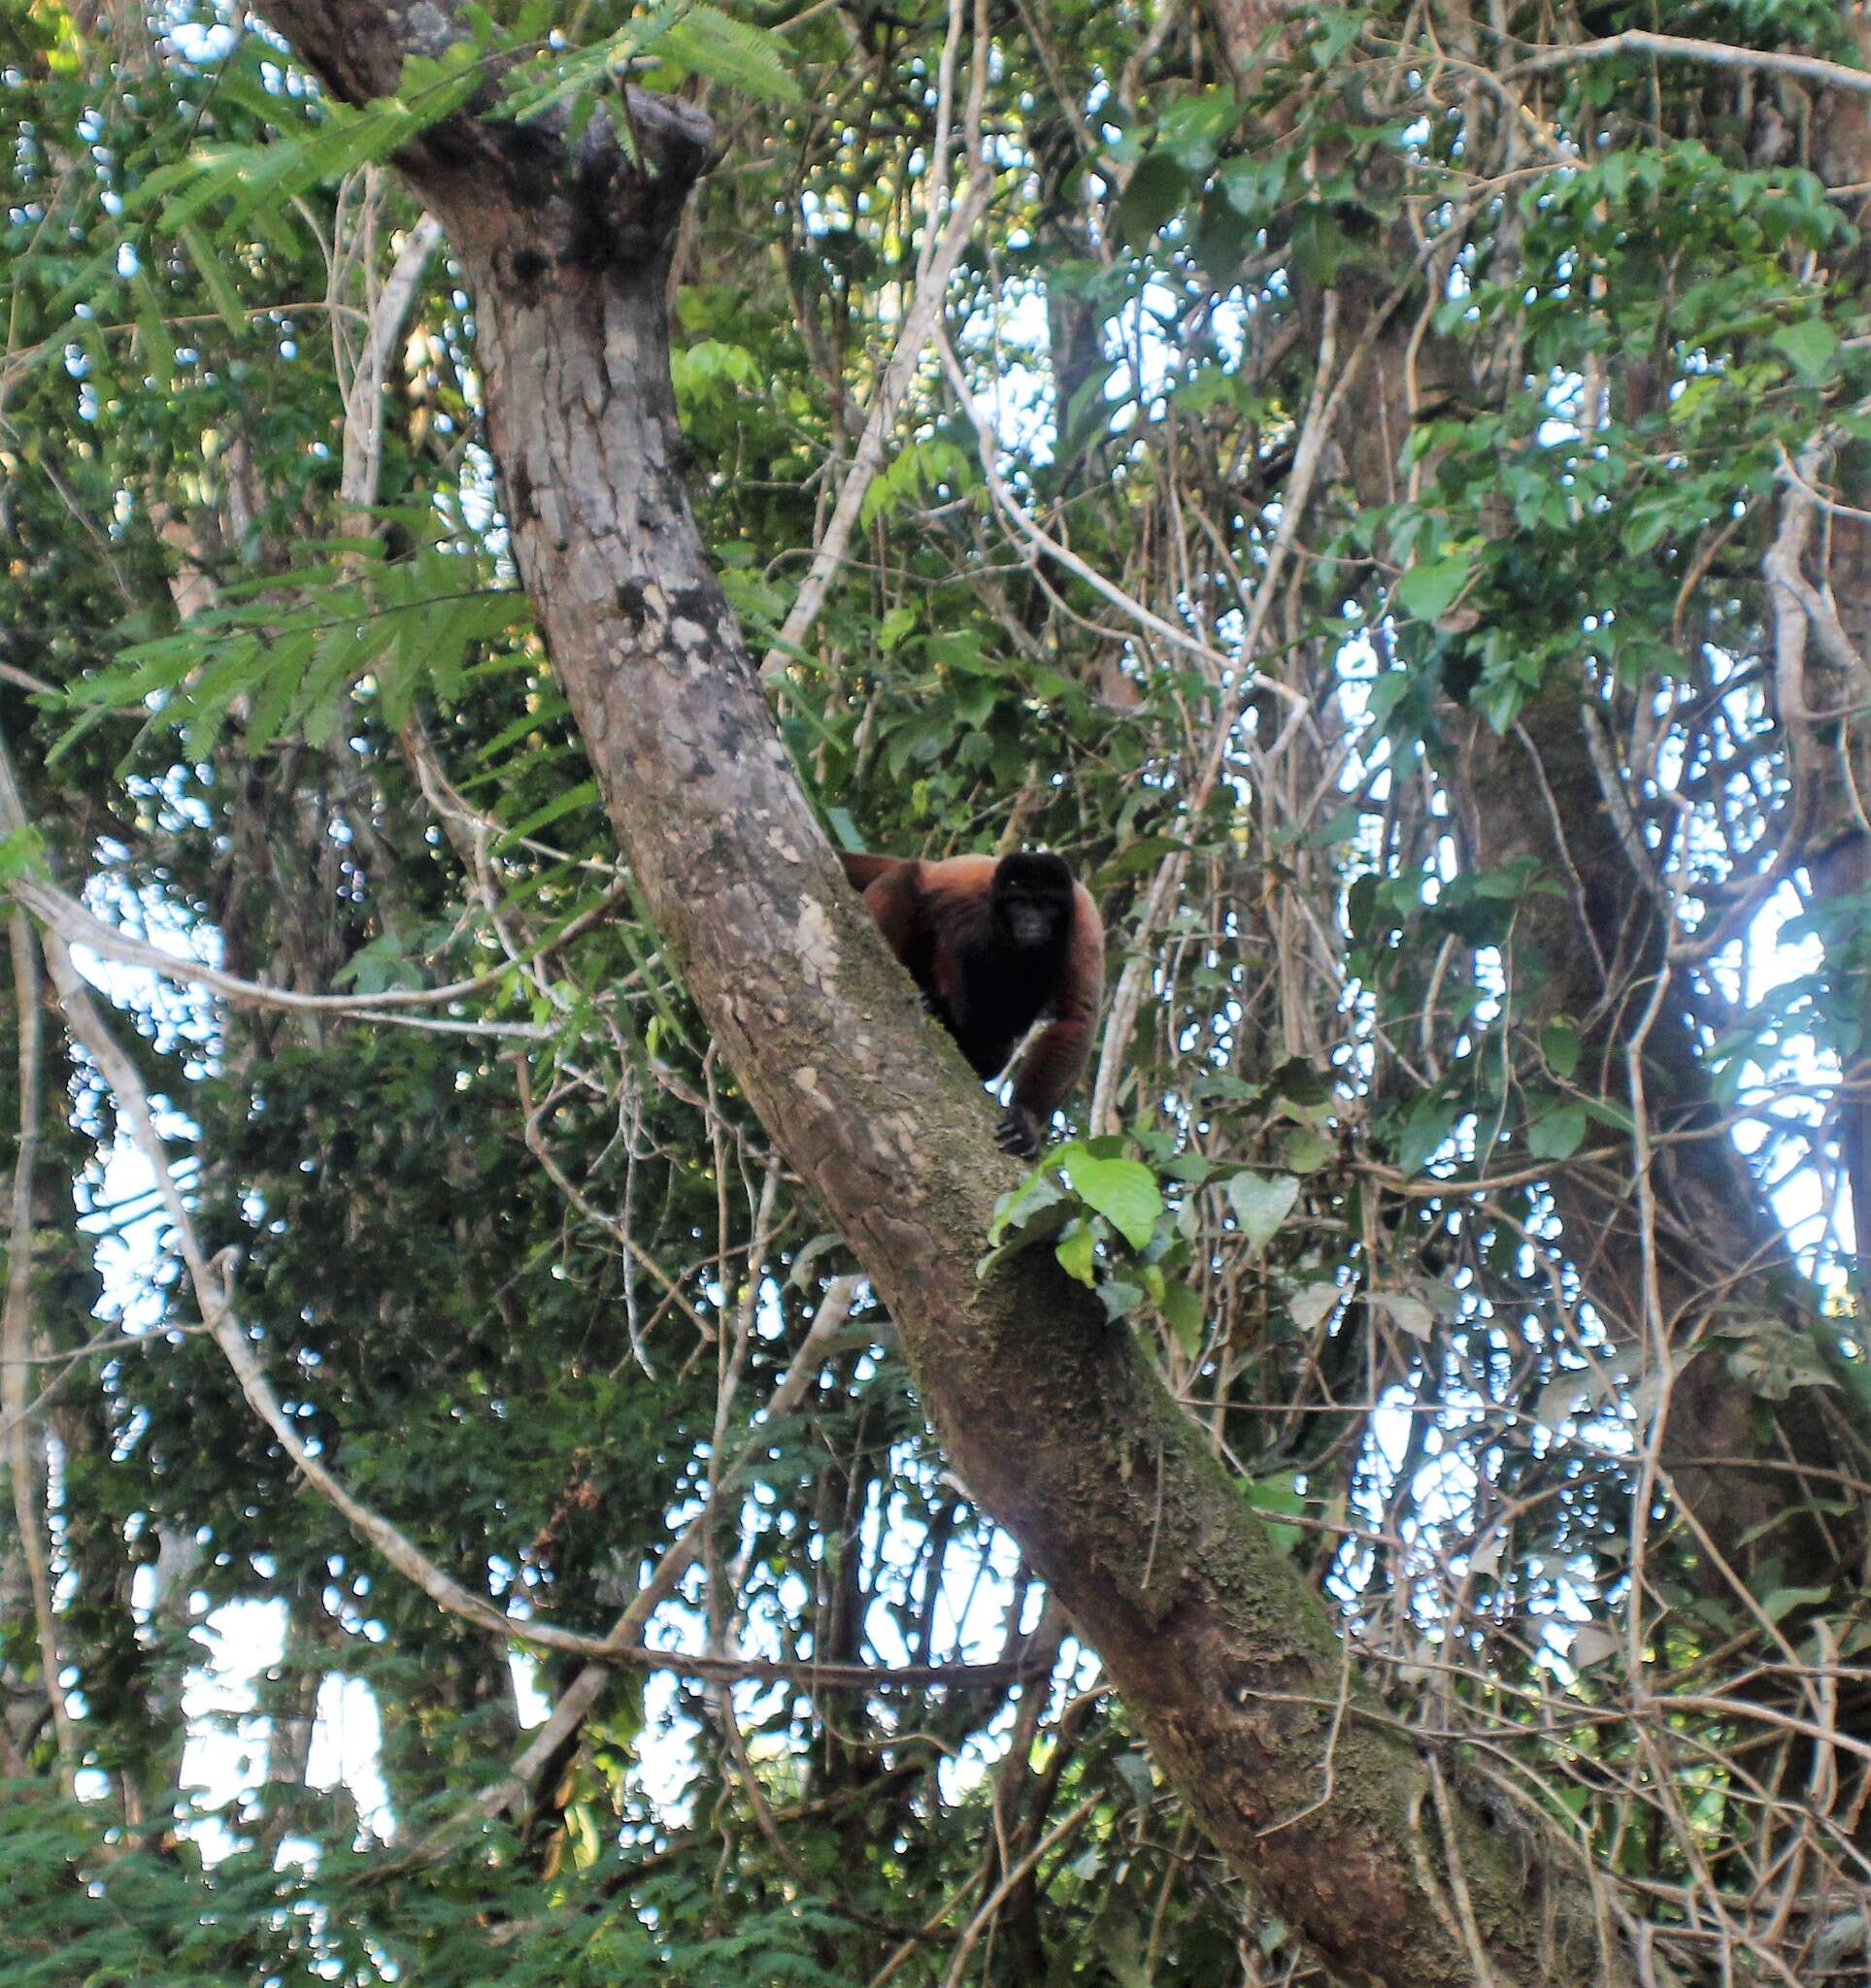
[(1228, 1660)]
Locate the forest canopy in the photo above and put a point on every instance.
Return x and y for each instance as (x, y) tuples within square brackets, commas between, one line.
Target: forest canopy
[(540, 1433)]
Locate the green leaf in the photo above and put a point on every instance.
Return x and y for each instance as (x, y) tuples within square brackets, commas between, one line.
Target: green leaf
[(213, 274), (256, 180), (1811, 345), (1430, 588), (21, 854), (705, 41), (1157, 192), (1091, 410), (1142, 854), (382, 964), (1119, 1299), (1304, 1151), (1646, 526), (1262, 1202), (1022, 1213), (1299, 1083), (580, 796), (158, 348), (1075, 1250), (1426, 1125), (1780, 1603), (1771, 1362), (974, 701), (1123, 1191), (1321, 245), (1254, 188), (1194, 127), (1592, 1645), (1557, 1135), (1408, 1314), (1134, 1769), (1274, 1498), (539, 716), (1613, 1117), (1333, 30), (1314, 1304), (274, 695), (1182, 1312)]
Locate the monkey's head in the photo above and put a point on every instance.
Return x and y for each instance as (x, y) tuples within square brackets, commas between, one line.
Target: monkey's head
[(1032, 901)]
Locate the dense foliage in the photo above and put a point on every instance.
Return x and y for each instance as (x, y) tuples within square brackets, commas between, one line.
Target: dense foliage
[(1386, 496)]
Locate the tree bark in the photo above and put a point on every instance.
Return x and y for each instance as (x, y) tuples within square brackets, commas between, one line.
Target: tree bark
[(1226, 1658)]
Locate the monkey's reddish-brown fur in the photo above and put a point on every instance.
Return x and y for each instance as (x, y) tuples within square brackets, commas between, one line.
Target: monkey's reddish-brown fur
[(938, 917)]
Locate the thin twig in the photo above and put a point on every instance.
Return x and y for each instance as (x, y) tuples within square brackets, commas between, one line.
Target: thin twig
[(996, 1898)]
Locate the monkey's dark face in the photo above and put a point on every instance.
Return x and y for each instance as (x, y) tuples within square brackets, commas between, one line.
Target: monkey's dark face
[(1032, 901)]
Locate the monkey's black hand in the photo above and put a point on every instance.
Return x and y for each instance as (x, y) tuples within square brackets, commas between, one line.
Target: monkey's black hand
[(1017, 1133), (936, 1008)]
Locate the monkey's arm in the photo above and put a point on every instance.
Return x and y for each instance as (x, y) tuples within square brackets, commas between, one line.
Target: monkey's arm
[(1056, 1061), (898, 903)]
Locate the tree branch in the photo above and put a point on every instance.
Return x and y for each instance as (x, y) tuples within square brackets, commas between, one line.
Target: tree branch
[(61, 912), (26, 1462), (1638, 40)]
